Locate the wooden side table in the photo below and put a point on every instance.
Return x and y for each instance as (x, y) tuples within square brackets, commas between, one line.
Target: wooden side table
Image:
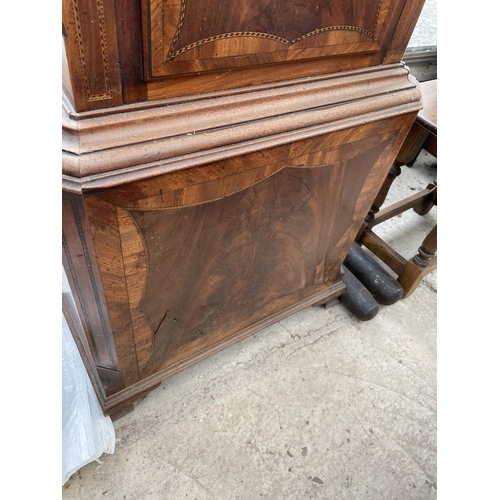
[(422, 135)]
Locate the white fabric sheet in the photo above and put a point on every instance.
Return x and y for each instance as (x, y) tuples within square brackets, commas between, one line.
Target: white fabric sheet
[(86, 432)]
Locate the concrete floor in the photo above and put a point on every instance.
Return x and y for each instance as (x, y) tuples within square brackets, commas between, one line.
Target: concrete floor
[(318, 406)]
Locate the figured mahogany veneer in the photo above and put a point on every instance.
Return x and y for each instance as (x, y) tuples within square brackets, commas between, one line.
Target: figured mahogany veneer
[(124, 52), (218, 161), (196, 35)]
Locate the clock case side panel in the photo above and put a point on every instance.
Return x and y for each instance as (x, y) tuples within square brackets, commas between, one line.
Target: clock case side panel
[(103, 193), (143, 370)]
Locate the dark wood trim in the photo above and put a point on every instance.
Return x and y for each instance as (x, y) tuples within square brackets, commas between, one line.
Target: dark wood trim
[(84, 279), (406, 25), (89, 30), (129, 38)]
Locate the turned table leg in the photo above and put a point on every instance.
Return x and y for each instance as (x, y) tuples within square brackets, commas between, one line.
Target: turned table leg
[(406, 156), (384, 190), (420, 265)]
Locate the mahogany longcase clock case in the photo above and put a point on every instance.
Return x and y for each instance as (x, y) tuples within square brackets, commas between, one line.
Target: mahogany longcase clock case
[(219, 157)]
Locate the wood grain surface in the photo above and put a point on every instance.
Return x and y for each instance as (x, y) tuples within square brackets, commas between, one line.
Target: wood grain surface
[(145, 50), (191, 259), (218, 161), (197, 36)]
